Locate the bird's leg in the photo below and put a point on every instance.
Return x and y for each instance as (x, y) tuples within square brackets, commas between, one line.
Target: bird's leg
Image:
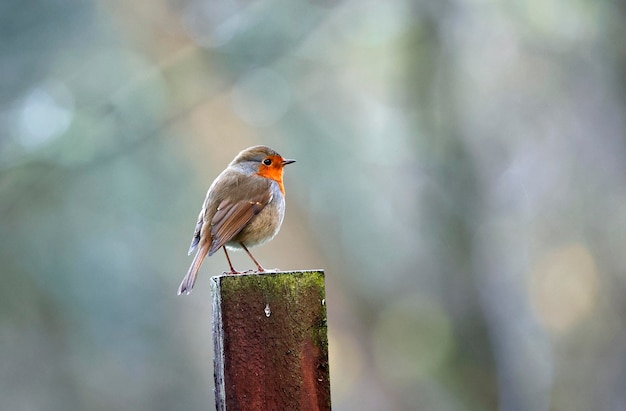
[(258, 266), (232, 270)]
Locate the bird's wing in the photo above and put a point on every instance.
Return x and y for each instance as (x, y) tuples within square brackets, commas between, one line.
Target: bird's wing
[(196, 234), (231, 217)]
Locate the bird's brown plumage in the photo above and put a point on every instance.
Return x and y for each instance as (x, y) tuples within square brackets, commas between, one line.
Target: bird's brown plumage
[(236, 197)]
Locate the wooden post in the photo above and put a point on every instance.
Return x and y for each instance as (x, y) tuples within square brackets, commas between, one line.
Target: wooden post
[(271, 346)]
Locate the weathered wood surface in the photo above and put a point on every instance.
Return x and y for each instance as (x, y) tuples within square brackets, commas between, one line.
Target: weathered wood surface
[(271, 345)]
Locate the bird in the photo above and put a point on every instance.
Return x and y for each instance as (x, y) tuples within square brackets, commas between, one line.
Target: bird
[(244, 207)]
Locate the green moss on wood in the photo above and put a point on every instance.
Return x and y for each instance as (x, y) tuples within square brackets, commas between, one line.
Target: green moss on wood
[(285, 283), (288, 288)]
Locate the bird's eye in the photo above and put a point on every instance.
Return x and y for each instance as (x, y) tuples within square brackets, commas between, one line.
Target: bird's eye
[(267, 161)]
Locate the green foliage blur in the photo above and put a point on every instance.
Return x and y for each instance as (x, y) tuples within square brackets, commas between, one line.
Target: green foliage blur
[(461, 177)]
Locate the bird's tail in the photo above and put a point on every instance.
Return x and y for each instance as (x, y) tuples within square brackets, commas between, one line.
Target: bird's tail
[(192, 273)]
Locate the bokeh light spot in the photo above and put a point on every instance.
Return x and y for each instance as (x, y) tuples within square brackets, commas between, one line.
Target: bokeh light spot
[(564, 287), (46, 113)]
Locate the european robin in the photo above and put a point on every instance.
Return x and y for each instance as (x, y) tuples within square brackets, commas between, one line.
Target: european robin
[(244, 207)]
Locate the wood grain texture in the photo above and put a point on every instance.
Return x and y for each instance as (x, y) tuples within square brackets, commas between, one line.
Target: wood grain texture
[(271, 345)]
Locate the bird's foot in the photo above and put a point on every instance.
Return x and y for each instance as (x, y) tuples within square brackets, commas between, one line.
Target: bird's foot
[(231, 272)]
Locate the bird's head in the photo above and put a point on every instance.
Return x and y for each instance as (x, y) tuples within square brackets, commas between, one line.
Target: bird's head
[(262, 161)]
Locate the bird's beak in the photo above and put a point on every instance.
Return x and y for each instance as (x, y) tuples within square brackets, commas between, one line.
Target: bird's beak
[(285, 162)]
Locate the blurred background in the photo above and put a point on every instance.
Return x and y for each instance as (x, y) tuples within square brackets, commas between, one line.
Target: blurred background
[(461, 177)]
